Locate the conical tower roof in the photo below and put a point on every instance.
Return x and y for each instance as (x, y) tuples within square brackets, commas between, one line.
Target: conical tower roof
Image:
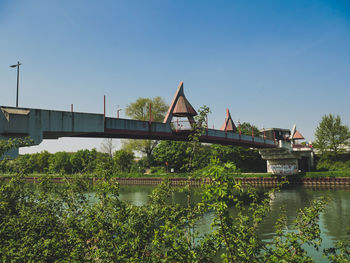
[(228, 125), (183, 108), (180, 107), (297, 136)]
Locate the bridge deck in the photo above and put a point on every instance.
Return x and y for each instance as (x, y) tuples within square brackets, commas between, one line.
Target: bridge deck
[(42, 124)]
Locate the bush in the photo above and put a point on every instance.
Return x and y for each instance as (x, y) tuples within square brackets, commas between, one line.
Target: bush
[(47, 223), (158, 170)]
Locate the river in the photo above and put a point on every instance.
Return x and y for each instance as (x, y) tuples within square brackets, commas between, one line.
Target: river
[(333, 221)]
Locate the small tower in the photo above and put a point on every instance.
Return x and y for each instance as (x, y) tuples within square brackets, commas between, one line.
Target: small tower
[(295, 135), (180, 107), (229, 125)]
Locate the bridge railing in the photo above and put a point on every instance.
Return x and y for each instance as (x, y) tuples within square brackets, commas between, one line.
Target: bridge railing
[(135, 125), (180, 125)]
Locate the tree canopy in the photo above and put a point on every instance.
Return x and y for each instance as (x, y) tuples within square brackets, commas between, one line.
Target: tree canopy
[(176, 155), (140, 110), (246, 128), (331, 135), (123, 160)]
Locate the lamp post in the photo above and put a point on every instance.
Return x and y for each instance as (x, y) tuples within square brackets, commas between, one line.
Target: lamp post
[(118, 110), (17, 66)]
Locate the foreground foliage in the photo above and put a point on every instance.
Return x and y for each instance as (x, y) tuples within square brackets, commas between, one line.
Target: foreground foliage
[(62, 223), (47, 222)]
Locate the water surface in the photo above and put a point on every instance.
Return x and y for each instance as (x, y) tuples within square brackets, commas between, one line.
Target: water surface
[(333, 221)]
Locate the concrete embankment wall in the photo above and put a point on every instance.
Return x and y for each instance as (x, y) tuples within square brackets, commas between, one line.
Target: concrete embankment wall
[(272, 181), (265, 181)]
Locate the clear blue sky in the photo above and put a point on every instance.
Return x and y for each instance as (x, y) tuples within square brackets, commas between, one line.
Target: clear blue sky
[(272, 63)]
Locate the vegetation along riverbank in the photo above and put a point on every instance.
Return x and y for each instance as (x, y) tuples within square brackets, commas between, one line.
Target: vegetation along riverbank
[(46, 223)]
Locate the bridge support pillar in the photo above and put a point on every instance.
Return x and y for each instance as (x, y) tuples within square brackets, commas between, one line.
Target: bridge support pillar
[(280, 161)]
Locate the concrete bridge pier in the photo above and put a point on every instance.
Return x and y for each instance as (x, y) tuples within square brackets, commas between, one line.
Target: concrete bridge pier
[(280, 161), (19, 123), (287, 160)]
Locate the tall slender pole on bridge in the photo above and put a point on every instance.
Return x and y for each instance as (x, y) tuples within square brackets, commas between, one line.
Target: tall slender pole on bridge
[(118, 110), (17, 66), (104, 108)]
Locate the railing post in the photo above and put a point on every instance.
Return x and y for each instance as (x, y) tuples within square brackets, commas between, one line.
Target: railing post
[(150, 114), (239, 130), (207, 124), (104, 110)]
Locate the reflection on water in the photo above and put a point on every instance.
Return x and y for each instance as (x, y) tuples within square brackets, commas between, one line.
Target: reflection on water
[(138, 194), (333, 221)]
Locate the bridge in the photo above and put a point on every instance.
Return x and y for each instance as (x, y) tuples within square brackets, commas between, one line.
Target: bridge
[(40, 124)]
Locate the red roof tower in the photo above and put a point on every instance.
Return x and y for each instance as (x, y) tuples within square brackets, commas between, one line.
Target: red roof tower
[(228, 125)]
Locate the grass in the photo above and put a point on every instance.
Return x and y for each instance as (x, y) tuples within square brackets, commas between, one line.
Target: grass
[(327, 174)]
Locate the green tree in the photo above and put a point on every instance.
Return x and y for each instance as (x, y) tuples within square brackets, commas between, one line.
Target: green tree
[(43, 161), (172, 152), (247, 128), (123, 160), (198, 129), (331, 135), (60, 163), (246, 160), (140, 110), (83, 161), (24, 163)]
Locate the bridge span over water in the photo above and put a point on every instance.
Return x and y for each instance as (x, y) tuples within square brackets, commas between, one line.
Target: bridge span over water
[(40, 124)]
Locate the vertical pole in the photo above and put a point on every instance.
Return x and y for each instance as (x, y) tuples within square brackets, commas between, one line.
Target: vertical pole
[(150, 114), (239, 129), (274, 137), (104, 108), (71, 107), (207, 123), (17, 83), (264, 136), (252, 133)]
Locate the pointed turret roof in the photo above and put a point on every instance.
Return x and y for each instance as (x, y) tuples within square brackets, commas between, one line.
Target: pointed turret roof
[(297, 136), (180, 106), (183, 108), (228, 125)]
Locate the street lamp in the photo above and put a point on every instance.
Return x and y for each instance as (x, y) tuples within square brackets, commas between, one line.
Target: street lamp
[(17, 66), (118, 110)]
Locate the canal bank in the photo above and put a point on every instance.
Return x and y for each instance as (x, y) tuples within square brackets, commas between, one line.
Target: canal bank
[(181, 181)]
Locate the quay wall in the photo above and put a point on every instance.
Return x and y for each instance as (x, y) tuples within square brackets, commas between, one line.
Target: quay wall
[(267, 181)]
